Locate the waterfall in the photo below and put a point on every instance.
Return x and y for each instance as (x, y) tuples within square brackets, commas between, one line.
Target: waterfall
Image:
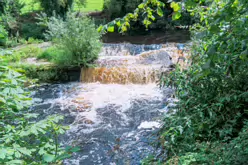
[(116, 107)]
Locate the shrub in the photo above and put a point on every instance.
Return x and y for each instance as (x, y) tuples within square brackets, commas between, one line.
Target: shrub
[(9, 13), (113, 8), (119, 8), (3, 36), (210, 122), (59, 7), (77, 37), (31, 29), (10, 6), (23, 140)]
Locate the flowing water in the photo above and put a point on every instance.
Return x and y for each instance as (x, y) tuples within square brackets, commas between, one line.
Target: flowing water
[(117, 107)]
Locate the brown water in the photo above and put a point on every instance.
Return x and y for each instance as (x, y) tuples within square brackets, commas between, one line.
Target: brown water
[(129, 63)]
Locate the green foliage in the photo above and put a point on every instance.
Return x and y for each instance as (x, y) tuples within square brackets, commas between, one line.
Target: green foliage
[(22, 54), (58, 7), (77, 37), (147, 8), (9, 12), (50, 54), (210, 124), (10, 6), (118, 8), (41, 73), (48, 73), (56, 55), (113, 8), (32, 30), (22, 139), (32, 40), (89, 6), (150, 160), (3, 36), (151, 13), (78, 5)]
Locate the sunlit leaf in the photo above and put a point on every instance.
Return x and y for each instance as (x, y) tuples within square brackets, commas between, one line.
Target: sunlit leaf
[(176, 15), (141, 6), (111, 29), (100, 28), (48, 158), (160, 12)]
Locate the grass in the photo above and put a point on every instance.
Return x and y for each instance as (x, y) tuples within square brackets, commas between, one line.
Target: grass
[(23, 53), (92, 5)]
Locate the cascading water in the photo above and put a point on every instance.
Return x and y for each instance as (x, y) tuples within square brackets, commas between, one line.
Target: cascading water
[(116, 108)]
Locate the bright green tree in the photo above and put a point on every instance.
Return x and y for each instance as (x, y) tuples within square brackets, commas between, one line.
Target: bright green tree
[(58, 7)]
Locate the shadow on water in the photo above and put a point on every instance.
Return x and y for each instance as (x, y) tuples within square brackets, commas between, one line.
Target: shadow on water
[(151, 37)]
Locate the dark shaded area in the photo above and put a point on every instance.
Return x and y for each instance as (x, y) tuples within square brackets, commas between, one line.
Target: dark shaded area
[(149, 37)]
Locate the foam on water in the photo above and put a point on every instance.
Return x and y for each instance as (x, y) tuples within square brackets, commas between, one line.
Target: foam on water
[(102, 113), (148, 125), (111, 122)]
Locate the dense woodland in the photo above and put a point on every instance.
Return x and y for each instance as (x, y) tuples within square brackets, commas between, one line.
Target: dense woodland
[(209, 125)]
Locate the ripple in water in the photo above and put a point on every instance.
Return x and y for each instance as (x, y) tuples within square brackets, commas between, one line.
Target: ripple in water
[(111, 123)]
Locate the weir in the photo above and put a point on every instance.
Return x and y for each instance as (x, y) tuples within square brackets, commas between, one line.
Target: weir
[(124, 64), (116, 107)]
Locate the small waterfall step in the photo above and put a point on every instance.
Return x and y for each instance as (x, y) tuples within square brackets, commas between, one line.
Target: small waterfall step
[(122, 64)]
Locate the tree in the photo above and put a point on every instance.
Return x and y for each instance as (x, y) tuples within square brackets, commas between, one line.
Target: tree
[(59, 7), (10, 6), (210, 122)]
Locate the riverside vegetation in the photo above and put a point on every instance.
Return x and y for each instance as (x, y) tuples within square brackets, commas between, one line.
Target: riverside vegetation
[(23, 139), (209, 124)]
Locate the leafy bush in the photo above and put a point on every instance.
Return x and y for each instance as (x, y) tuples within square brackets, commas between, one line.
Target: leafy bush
[(113, 8), (3, 36), (22, 139), (59, 7), (209, 123), (33, 30), (77, 37), (9, 13), (163, 20), (10, 6)]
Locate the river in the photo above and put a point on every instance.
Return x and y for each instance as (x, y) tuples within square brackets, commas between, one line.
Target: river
[(115, 110)]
